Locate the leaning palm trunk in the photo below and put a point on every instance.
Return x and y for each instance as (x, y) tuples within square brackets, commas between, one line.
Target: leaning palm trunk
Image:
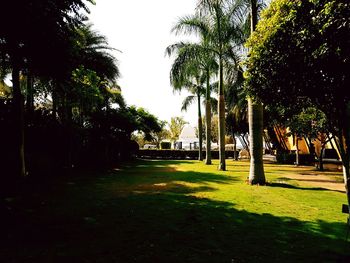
[(255, 115), (200, 128), (221, 110), (343, 145)]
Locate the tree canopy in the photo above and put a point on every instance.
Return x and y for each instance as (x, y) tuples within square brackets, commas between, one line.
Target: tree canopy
[(302, 48)]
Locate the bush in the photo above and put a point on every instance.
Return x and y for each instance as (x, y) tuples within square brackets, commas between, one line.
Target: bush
[(165, 145)]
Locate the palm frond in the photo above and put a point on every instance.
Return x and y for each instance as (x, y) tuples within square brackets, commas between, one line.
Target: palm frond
[(187, 102), (191, 24)]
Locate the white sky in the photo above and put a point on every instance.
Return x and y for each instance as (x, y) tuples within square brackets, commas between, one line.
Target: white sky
[(141, 30)]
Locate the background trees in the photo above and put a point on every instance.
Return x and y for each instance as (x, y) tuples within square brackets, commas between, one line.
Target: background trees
[(175, 127), (64, 74), (186, 73), (36, 28), (218, 25)]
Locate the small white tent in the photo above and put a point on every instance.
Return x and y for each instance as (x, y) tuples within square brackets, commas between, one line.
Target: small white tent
[(187, 139)]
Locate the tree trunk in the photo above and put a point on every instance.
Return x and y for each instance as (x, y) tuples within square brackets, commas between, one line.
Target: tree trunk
[(253, 15), (221, 111), (235, 153), (255, 112), (320, 159), (200, 128), (19, 122), (54, 103), (255, 115), (30, 94), (297, 152), (208, 121), (344, 149)]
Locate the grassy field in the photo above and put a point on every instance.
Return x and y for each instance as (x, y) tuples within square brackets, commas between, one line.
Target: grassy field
[(178, 211)]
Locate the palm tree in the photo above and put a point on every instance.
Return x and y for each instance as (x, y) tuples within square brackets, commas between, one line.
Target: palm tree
[(185, 74), (197, 92), (255, 115), (220, 33), (95, 53), (236, 119), (192, 68)]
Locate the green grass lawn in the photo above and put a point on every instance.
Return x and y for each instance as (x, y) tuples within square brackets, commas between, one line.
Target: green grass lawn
[(178, 211)]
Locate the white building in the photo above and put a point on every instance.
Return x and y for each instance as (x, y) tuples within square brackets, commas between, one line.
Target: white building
[(187, 139)]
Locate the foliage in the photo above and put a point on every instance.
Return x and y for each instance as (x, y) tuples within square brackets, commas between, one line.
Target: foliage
[(31, 30), (85, 92), (219, 24), (301, 48), (213, 129), (162, 134), (175, 127), (74, 109), (309, 122)]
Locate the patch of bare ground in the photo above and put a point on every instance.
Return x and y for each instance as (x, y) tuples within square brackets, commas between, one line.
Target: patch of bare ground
[(327, 180)]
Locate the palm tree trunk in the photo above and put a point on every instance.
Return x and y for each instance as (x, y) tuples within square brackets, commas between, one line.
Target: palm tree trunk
[(200, 127), (256, 174), (221, 110), (208, 122), (19, 113), (255, 115)]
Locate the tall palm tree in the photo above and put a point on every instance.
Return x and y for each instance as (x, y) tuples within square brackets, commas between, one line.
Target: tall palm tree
[(194, 61), (220, 33), (236, 119), (255, 115)]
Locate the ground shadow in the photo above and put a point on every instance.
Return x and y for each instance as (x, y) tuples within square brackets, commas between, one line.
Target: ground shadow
[(83, 221), (290, 186)]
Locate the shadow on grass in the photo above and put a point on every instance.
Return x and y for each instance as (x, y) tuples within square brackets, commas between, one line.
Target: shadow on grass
[(165, 172), (285, 185), (289, 186), (86, 223)]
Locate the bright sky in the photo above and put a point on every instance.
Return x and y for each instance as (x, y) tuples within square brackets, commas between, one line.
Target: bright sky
[(141, 30)]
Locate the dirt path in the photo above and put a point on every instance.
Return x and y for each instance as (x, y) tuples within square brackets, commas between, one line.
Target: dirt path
[(327, 180)]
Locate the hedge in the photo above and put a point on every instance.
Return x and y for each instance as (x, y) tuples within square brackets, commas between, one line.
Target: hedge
[(289, 158), (165, 145), (178, 154)]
